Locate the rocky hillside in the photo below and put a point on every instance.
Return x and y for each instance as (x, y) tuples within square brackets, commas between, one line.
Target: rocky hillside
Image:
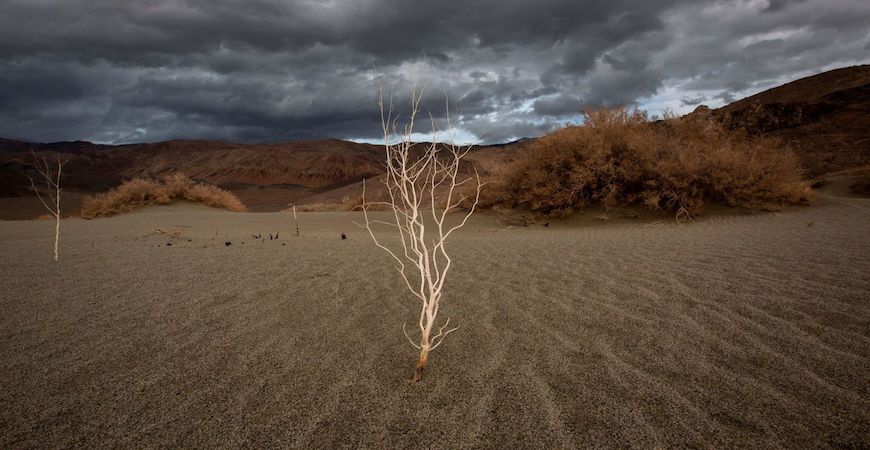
[(825, 118)]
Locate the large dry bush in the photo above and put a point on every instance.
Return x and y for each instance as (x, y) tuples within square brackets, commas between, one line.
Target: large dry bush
[(619, 158), (140, 192)]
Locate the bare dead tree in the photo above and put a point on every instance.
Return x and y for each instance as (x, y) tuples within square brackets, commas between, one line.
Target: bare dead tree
[(51, 179), (423, 188)]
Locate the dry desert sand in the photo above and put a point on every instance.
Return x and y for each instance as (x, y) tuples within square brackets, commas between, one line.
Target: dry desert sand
[(733, 331)]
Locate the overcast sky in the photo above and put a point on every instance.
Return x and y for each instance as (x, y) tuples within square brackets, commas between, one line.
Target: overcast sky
[(121, 71)]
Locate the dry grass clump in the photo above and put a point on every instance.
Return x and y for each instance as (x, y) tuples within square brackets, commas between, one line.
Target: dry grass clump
[(619, 158), (140, 192)]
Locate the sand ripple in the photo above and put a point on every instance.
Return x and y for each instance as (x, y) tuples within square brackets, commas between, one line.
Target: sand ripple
[(736, 331)]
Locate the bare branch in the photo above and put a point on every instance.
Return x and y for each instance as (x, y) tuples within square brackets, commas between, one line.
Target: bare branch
[(409, 337), (442, 334)]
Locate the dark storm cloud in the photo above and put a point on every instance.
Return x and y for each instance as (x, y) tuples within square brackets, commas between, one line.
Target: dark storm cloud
[(778, 5), (269, 70), (557, 105), (693, 101)]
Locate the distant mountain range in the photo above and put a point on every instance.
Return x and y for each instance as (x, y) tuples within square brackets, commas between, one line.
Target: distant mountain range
[(266, 177), (825, 118), (297, 168)]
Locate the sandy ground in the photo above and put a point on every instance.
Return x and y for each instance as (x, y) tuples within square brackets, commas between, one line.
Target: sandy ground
[(29, 208), (728, 332)]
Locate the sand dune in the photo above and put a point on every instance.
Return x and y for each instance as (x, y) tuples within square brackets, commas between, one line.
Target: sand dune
[(736, 331)]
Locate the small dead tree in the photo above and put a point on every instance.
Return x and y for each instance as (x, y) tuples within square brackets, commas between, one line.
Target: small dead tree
[(424, 185), (50, 177)]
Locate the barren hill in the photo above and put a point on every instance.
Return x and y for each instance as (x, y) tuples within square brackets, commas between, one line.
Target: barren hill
[(266, 176), (825, 118)]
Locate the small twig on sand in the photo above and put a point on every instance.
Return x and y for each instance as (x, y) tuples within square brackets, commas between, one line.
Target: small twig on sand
[(295, 219)]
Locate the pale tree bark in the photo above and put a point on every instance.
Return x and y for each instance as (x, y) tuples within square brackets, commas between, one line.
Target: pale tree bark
[(424, 185), (50, 177)]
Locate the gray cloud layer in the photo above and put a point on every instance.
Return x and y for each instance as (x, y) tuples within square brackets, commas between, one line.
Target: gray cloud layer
[(270, 70)]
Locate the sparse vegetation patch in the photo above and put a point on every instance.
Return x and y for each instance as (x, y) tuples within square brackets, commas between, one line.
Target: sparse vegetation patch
[(141, 192)]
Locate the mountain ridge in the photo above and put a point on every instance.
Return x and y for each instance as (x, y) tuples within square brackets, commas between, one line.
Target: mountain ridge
[(825, 118)]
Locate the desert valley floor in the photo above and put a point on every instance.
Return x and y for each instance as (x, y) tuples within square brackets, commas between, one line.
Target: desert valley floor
[(732, 331)]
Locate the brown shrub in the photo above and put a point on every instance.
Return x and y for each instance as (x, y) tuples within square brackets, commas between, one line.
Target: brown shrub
[(140, 192), (619, 158)]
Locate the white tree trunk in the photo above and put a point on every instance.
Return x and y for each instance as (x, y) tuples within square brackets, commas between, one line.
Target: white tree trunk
[(57, 232)]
